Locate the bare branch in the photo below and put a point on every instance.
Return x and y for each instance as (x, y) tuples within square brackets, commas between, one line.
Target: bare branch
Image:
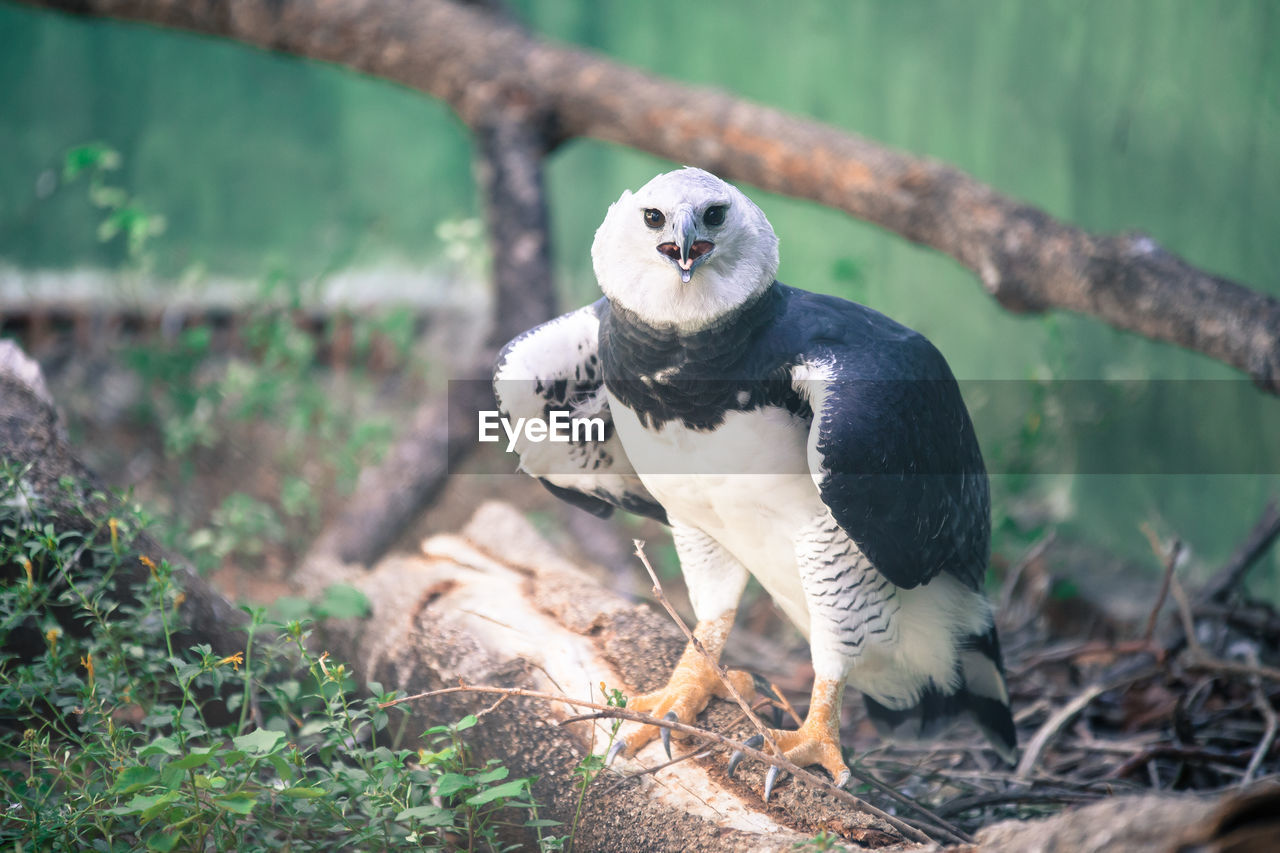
[(611, 712), (721, 672)]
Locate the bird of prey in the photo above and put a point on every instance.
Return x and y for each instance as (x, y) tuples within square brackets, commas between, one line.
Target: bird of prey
[(806, 440)]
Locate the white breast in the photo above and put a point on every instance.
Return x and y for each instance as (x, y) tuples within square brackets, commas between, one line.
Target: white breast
[(746, 484)]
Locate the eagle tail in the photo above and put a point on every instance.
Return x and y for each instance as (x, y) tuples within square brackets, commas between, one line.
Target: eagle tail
[(980, 694)]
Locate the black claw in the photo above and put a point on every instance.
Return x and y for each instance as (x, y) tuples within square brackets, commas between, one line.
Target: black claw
[(618, 746), (755, 742), (769, 779), (765, 689), (666, 732)]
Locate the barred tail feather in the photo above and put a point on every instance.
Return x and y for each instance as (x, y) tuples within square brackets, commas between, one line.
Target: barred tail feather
[(981, 696)]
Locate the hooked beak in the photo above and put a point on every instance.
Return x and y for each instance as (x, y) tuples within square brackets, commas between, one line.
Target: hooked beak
[(689, 252)]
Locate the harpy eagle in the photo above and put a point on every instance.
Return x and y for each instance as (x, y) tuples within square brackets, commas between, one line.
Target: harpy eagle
[(803, 439)]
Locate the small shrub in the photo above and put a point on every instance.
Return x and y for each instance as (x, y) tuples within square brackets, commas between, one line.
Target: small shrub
[(113, 739)]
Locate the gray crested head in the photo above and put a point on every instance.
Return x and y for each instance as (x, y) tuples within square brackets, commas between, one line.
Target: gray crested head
[(684, 250)]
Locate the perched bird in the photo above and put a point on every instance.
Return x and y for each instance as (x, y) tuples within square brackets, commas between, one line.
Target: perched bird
[(803, 439)]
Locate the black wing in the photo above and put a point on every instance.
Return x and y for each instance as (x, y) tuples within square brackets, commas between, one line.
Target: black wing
[(555, 367), (894, 455)]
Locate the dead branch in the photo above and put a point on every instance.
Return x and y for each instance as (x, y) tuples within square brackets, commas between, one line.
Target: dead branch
[(482, 63), (1175, 552), (1053, 725), (1228, 578), (610, 712), (721, 671)]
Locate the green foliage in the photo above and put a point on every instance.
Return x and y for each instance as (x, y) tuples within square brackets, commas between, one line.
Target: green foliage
[(203, 401), (123, 215), (115, 739), (588, 769), (822, 841)]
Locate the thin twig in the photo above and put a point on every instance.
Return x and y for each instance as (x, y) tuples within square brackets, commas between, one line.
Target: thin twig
[(720, 670), (1015, 574), (907, 829), (1174, 552), (786, 705), (1197, 658), (1266, 530), (1050, 728), (492, 708), (648, 771), (999, 798), (1261, 702)]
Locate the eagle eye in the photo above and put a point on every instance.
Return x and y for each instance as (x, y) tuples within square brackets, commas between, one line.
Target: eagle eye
[(714, 215), (653, 217)]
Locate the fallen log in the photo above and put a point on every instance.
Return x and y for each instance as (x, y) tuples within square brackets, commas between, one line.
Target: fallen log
[(496, 606)]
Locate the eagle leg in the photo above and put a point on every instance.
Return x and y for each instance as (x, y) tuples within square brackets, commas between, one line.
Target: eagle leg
[(692, 684), (817, 741)]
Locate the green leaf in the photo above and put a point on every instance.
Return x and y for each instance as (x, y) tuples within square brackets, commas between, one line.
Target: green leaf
[(514, 788), (160, 803), (343, 602), (493, 775), (303, 792), (160, 746), (164, 842), (288, 607), (134, 778), (427, 815), (196, 758), (241, 804), (282, 766), (465, 723), (259, 741), (452, 783), (91, 156)]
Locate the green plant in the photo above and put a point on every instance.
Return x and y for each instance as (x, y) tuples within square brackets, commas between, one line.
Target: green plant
[(270, 396), (588, 769), (114, 738), (124, 215), (822, 841)]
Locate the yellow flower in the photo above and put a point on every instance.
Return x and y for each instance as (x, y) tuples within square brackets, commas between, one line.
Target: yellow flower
[(51, 637), (26, 565), (149, 563), (87, 663), (178, 599), (115, 533), (235, 660)]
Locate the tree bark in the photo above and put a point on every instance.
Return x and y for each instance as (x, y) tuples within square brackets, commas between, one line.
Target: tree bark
[(33, 438), (482, 63)]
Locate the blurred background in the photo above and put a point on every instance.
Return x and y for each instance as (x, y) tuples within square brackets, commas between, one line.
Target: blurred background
[(242, 270)]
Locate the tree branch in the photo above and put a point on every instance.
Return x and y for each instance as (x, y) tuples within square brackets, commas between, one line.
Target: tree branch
[(482, 63)]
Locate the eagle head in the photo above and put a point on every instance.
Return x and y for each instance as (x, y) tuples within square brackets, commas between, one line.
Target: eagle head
[(684, 250)]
